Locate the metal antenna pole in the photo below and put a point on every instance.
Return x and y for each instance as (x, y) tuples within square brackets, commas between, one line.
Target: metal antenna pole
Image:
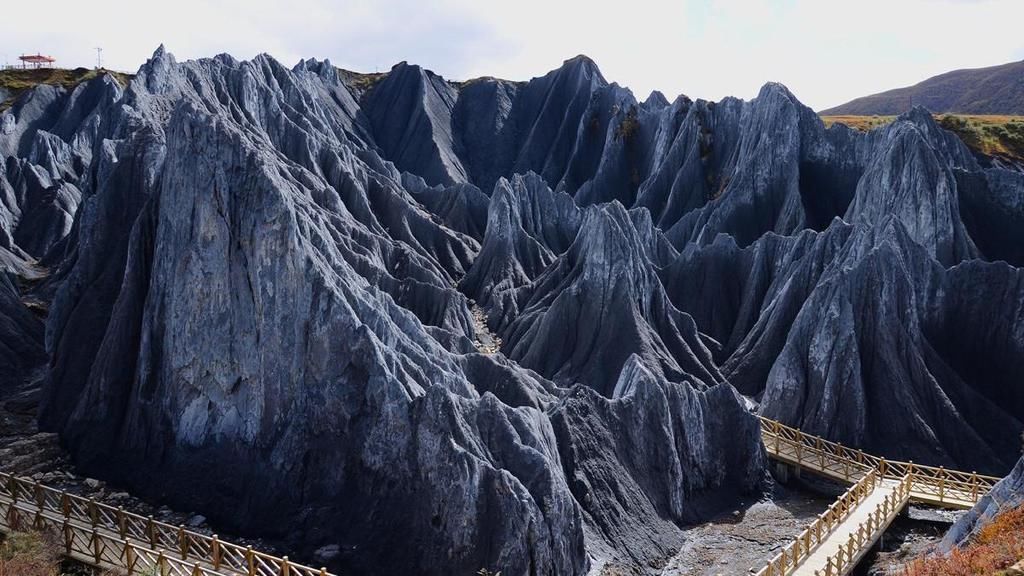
[(99, 57)]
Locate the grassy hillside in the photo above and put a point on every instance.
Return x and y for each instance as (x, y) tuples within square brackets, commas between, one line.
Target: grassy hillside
[(1000, 136), (30, 554), (33, 553), (993, 552), (992, 90), (997, 136), (13, 82)]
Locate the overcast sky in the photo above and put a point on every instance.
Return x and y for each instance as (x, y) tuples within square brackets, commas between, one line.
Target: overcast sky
[(825, 52)]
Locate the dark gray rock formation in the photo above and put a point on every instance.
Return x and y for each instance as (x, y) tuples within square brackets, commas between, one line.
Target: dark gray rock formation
[(761, 192), (992, 207), (528, 226), (36, 208), (266, 313), (647, 450), (813, 325), (909, 178), (263, 302), (21, 333), (604, 289), (884, 312), (411, 114)]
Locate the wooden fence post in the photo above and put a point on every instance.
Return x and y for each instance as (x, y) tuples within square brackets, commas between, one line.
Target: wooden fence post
[(182, 542), (846, 463), (95, 547), (215, 552), (40, 500), (68, 536), (122, 527), (942, 484)]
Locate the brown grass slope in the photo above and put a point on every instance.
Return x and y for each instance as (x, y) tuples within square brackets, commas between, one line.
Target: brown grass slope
[(994, 136), (992, 90), (998, 547), (15, 81)]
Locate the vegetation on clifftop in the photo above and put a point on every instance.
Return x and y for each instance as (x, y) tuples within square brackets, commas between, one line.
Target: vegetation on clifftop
[(859, 123), (361, 82), (999, 136), (993, 552), (996, 136), (14, 81)]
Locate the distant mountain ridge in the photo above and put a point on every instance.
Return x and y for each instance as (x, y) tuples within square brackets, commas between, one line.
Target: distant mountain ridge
[(991, 90)]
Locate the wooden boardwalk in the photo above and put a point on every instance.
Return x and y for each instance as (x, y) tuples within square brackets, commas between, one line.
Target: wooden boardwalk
[(846, 532), (124, 543), (837, 540)]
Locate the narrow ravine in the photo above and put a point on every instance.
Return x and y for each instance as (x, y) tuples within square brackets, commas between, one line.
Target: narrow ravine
[(486, 342)]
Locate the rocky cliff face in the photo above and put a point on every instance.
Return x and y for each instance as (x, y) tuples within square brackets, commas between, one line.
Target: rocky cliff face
[(263, 302)]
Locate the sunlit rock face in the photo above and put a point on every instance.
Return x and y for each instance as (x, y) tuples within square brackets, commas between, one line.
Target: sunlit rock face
[(265, 280)]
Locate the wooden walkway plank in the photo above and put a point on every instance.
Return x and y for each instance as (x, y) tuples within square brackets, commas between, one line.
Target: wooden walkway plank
[(834, 543), (838, 544)]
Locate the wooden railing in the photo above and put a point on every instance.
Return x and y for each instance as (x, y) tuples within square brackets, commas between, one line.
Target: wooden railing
[(868, 531), (832, 459), (930, 484), (792, 556), (113, 539)]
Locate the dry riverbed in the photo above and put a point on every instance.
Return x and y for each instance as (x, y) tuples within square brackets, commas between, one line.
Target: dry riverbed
[(744, 539)]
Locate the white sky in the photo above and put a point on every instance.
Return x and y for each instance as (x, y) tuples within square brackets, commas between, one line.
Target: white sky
[(825, 52)]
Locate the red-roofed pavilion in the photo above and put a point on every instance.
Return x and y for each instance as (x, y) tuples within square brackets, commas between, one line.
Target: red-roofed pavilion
[(36, 61)]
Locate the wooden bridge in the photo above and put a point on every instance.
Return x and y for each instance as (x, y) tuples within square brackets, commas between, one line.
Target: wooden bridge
[(838, 539), (120, 542)]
